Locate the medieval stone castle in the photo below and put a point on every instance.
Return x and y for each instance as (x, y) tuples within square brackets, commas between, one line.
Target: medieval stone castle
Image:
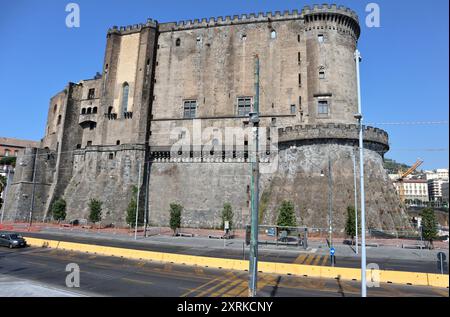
[(163, 77)]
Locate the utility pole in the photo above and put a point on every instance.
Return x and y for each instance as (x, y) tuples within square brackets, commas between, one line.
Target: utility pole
[(254, 118), (330, 203), (137, 201), (146, 199), (5, 192), (34, 188), (359, 116), (356, 201)]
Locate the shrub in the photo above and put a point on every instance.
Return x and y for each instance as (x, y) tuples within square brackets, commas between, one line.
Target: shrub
[(58, 209), (227, 215), (95, 207), (175, 216), (286, 215)]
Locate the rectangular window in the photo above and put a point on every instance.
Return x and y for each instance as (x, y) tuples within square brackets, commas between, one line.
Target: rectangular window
[(293, 109), (91, 93), (323, 108), (89, 143), (6, 152), (321, 75), (244, 106), (190, 108)]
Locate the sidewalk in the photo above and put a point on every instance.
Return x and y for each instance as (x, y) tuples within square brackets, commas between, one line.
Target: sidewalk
[(162, 239)]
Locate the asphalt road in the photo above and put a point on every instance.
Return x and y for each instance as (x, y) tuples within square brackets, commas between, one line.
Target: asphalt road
[(109, 276), (264, 254)]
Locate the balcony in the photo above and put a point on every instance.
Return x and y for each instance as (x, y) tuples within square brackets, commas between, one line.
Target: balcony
[(85, 119)]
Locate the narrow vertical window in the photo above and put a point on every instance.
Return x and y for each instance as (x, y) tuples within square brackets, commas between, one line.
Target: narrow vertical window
[(178, 42), (59, 120), (293, 109), (299, 58), (299, 80), (125, 91), (323, 107), (91, 93)]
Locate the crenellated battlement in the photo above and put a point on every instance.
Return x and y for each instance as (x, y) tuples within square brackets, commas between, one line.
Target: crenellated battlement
[(307, 11), (332, 131), (133, 28)]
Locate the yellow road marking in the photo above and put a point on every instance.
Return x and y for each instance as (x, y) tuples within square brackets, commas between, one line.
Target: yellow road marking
[(201, 286), (238, 290), (209, 290), (309, 259), (316, 260), (300, 258), (226, 288), (325, 260)]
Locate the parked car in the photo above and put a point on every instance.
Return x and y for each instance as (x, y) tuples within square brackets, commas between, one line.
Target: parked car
[(12, 240)]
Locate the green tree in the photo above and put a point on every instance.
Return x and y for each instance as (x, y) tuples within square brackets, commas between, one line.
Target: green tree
[(286, 215), (350, 228), (131, 209), (175, 217), (58, 209), (429, 226), (227, 215), (8, 160), (95, 207)]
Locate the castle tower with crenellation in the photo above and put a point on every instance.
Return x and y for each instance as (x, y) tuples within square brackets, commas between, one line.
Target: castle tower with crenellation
[(162, 82)]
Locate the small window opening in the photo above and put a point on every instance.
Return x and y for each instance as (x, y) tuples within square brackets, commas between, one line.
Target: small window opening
[(89, 110), (111, 156), (91, 93), (118, 142), (299, 80), (323, 107), (110, 109), (55, 107), (59, 120), (321, 74), (89, 143), (273, 34), (293, 109), (178, 42), (320, 38), (83, 111), (244, 37), (94, 110)]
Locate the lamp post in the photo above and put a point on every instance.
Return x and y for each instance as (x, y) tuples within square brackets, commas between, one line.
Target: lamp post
[(330, 204), (137, 201), (254, 118), (356, 202), (359, 116)]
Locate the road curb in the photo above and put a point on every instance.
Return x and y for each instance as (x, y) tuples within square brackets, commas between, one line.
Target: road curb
[(395, 277)]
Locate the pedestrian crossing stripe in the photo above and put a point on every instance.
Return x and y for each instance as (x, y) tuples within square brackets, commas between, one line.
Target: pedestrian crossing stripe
[(312, 259)]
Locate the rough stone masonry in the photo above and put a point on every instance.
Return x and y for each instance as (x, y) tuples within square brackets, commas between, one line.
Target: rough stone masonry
[(160, 80)]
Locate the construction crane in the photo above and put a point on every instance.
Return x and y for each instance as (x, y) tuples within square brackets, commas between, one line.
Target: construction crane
[(401, 189)]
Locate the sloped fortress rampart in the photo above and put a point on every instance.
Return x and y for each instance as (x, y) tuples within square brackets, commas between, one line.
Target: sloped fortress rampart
[(158, 78)]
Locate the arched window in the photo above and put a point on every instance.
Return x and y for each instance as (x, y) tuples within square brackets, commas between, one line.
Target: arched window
[(110, 109), (94, 110), (83, 111), (125, 91), (273, 34), (178, 42), (89, 110)]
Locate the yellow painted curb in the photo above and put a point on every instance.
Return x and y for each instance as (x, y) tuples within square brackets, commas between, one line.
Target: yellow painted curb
[(396, 277)]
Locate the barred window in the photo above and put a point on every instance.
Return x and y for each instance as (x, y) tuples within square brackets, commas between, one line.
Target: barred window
[(190, 108), (244, 106)]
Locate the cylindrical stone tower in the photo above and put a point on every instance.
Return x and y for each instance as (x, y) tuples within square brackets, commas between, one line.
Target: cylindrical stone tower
[(331, 135)]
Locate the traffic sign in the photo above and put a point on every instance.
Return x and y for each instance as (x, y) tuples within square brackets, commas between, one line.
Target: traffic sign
[(332, 251)]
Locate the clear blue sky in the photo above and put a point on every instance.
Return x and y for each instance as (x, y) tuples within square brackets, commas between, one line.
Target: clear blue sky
[(404, 70)]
